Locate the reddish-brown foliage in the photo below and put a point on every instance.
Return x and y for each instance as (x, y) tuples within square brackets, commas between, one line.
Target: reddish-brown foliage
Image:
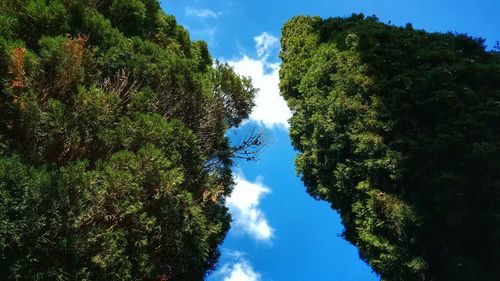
[(76, 46), (162, 277), (16, 68), (68, 72)]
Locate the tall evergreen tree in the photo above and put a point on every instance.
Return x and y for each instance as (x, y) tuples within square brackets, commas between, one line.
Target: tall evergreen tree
[(400, 130), (114, 164)]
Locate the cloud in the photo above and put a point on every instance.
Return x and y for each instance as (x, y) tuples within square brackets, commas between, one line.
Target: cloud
[(207, 33), (239, 269), (202, 13), (270, 108), (243, 205), (265, 44)]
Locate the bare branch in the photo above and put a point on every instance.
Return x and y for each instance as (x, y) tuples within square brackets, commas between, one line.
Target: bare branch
[(123, 84)]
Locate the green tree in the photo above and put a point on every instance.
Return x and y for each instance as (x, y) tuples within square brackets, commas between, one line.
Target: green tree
[(399, 129), (114, 164)]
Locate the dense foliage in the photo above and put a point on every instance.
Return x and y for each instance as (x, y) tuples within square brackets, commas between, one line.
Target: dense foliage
[(400, 130), (114, 163)]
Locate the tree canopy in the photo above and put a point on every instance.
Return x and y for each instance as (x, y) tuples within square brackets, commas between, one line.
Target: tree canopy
[(400, 130), (114, 164)]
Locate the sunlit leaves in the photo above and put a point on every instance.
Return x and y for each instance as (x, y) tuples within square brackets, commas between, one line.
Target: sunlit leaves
[(112, 120), (398, 129)]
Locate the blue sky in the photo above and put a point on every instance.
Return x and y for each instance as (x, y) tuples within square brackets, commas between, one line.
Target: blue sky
[(278, 231)]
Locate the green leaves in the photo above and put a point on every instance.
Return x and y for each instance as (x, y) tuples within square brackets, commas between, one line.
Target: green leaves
[(111, 121), (388, 124), (235, 94), (128, 16), (40, 17)]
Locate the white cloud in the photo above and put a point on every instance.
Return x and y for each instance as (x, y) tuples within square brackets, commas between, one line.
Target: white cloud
[(207, 34), (234, 254), (243, 205), (265, 44), (202, 13), (270, 108), (239, 269)]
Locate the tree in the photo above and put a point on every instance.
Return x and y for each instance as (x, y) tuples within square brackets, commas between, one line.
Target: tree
[(399, 130), (111, 118)]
